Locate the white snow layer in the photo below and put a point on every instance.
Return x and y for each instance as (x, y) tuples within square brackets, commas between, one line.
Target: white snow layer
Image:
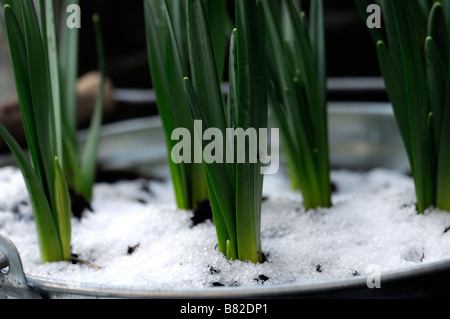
[(373, 223)]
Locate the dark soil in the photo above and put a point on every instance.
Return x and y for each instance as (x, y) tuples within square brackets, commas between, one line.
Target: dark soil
[(407, 205), (79, 204), (19, 210), (113, 176), (334, 188), (262, 279), (202, 213), (217, 284), (213, 270), (265, 257), (74, 259), (131, 249)]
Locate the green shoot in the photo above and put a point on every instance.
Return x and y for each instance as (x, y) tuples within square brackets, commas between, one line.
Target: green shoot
[(415, 62), (35, 79), (79, 164), (45, 87), (88, 164), (235, 189), (167, 47), (298, 95)]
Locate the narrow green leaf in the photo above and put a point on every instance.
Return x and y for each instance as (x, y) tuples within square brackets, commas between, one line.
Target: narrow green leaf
[(414, 65), (280, 73), (216, 11), (277, 68), (204, 71), (43, 24), (424, 6), (219, 222), (419, 13), (20, 66), (166, 41), (89, 159), (317, 109), (16, 7), (446, 9), (49, 39), (295, 160), (231, 112), (443, 170), (436, 86), (198, 186), (72, 170), (46, 227), (309, 74), (291, 107), (40, 86), (68, 71), (231, 254), (232, 101), (177, 10), (318, 47), (203, 65), (68, 74), (416, 97), (437, 30), (252, 113), (174, 61), (395, 87), (63, 210), (218, 179), (197, 190), (393, 42), (164, 97), (35, 75)]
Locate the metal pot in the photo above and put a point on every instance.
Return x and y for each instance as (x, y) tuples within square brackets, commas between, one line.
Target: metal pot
[(425, 281), (362, 136)]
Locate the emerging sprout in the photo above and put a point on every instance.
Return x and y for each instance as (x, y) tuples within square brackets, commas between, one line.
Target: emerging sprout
[(37, 75), (235, 189), (30, 52), (298, 95), (79, 164), (415, 62), (167, 45)]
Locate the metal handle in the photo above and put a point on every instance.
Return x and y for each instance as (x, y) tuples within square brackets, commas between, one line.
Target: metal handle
[(3, 261), (13, 283)]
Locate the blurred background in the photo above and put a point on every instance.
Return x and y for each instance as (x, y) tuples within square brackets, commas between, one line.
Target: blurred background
[(352, 63), (350, 50), (350, 53)]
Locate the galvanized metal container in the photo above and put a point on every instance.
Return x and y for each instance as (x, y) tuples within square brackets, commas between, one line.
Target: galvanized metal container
[(362, 136)]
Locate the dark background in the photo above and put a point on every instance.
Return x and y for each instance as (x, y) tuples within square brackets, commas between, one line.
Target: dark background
[(350, 50), (351, 53)]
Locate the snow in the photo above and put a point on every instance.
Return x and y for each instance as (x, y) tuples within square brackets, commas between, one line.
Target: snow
[(373, 223)]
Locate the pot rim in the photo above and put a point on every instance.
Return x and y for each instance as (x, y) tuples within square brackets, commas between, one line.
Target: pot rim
[(306, 288), (51, 286)]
